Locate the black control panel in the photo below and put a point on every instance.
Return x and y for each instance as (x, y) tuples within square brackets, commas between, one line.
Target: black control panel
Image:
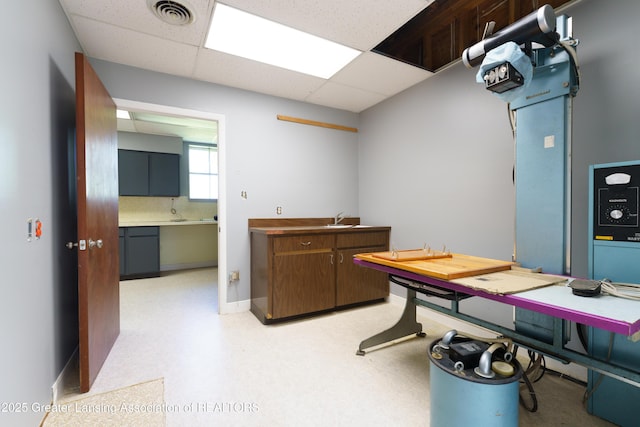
[(616, 190)]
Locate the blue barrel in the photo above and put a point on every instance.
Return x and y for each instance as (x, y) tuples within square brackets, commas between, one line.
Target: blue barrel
[(461, 398)]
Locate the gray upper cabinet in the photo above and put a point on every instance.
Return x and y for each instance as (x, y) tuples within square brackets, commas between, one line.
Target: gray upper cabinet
[(144, 173), (133, 173), (164, 174)]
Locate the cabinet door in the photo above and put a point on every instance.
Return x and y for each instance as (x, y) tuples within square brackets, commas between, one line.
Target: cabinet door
[(164, 174), (133, 173), (356, 284), (142, 250), (121, 248), (303, 283)]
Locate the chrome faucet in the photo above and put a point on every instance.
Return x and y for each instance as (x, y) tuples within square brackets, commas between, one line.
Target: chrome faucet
[(338, 218)]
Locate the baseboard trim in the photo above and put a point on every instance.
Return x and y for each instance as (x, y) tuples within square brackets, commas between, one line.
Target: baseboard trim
[(188, 266), (235, 307), (66, 377)]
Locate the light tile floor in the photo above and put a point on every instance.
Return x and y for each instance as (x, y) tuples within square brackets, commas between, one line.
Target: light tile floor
[(231, 370)]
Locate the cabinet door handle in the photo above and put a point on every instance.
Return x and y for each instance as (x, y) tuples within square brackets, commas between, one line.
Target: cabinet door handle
[(305, 243), (341, 258), (331, 259)]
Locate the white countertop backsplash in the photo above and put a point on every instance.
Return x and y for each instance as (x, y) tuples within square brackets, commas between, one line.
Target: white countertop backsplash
[(148, 211), (164, 223)]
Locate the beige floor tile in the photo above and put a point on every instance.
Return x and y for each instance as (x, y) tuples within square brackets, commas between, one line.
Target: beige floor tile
[(231, 370)]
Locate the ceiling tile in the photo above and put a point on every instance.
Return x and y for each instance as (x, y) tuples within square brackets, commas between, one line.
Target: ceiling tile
[(234, 71), (360, 24), (191, 134), (127, 32), (380, 74), (136, 15), (344, 97), (134, 48), (126, 125)]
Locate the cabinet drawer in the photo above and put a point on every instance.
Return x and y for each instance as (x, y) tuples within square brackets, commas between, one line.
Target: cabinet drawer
[(142, 231), (303, 243), (362, 239)]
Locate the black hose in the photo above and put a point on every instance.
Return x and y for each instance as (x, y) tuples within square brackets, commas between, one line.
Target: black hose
[(582, 335), (532, 393)]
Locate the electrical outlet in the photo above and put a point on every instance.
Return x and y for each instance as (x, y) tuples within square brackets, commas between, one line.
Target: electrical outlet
[(279, 210), (234, 276)]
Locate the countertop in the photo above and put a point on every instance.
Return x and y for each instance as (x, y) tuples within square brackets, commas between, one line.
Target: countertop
[(317, 229), (160, 223)]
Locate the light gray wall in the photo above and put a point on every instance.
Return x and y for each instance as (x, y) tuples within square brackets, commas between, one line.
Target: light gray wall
[(436, 165), (436, 160), (309, 171), (147, 142), (38, 305), (607, 110)]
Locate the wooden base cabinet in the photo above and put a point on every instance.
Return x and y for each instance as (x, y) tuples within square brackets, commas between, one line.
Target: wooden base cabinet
[(297, 274), (303, 283), (355, 284)]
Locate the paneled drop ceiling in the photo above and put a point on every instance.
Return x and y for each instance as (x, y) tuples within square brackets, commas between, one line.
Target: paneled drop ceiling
[(188, 128), (128, 32)]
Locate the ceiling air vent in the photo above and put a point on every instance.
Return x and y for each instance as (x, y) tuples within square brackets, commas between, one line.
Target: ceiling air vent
[(172, 12)]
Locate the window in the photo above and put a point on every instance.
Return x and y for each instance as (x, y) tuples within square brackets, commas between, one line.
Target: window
[(203, 172)]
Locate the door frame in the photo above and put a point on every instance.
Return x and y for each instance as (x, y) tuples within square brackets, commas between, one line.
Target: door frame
[(223, 306)]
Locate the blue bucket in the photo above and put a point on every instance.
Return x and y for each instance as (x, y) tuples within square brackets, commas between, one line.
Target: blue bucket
[(461, 398)]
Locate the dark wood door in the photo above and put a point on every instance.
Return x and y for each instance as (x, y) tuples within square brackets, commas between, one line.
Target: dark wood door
[(97, 187)]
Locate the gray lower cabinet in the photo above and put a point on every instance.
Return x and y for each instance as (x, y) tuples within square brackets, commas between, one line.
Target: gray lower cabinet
[(122, 246), (139, 252)]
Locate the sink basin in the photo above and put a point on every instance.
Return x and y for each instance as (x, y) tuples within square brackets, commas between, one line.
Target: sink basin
[(338, 226)]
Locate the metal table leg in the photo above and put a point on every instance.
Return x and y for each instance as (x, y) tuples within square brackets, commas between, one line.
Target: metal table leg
[(407, 325)]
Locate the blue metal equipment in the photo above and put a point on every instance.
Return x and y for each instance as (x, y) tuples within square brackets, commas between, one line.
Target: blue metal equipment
[(542, 110), (543, 148), (614, 254), (465, 390), (539, 78), (542, 173), (541, 116)]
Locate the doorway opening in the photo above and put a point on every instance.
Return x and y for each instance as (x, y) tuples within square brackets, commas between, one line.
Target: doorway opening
[(219, 119)]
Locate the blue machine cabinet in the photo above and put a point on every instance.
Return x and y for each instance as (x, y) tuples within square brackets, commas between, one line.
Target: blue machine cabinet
[(614, 251), (542, 174)]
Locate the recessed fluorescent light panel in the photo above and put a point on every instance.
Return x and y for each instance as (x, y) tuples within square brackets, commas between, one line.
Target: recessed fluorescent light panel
[(121, 114), (242, 34)]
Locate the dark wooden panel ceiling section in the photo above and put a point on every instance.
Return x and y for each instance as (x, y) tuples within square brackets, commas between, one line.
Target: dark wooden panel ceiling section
[(438, 35)]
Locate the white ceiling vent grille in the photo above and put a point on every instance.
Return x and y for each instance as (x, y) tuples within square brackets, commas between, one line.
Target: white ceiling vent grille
[(172, 12)]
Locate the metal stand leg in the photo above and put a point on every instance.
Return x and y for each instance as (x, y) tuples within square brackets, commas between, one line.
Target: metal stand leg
[(407, 325)]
